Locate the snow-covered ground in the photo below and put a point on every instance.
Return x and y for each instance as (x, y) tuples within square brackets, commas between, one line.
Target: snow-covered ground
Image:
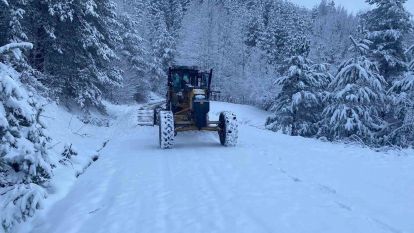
[(269, 183)]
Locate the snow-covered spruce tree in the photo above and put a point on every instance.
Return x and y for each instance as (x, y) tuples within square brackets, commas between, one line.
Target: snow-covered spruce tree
[(400, 130), (79, 63), (11, 16), (13, 25), (402, 133), (355, 101), (163, 45), (134, 63), (24, 163), (386, 26), (297, 108)]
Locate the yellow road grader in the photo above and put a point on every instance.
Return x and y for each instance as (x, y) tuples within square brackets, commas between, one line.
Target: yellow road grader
[(187, 107)]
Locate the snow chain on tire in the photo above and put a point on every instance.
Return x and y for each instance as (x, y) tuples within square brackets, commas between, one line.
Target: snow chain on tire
[(228, 129), (166, 126)]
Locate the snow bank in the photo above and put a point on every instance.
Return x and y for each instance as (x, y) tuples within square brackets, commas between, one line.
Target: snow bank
[(67, 130)]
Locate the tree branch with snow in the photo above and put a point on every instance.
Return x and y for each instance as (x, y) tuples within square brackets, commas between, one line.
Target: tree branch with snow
[(21, 45)]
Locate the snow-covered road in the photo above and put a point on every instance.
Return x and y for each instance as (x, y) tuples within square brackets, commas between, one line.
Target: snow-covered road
[(268, 183)]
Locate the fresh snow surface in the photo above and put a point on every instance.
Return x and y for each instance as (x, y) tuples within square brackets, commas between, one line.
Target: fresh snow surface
[(268, 183)]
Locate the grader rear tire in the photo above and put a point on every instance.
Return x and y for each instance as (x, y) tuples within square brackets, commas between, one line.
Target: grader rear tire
[(228, 131), (166, 129)]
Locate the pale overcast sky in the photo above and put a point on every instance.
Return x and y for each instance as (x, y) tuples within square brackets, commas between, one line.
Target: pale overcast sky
[(352, 5)]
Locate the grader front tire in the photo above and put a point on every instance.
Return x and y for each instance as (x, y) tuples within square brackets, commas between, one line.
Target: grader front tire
[(166, 129), (228, 129)]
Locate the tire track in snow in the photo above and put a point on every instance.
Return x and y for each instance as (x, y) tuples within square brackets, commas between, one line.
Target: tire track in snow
[(339, 200), (203, 200), (214, 181), (224, 176), (326, 192)]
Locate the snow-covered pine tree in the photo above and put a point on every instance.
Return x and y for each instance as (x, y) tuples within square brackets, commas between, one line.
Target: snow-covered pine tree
[(386, 26), (14, 16), (163, 45), (24, 163), (356, 99), (79, 63), (12, 20), (134, 63), (401, 125), (402, 133), (297, 108), (11, 17)]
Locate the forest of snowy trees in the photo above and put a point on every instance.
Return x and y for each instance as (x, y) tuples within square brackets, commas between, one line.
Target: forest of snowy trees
[(322, 72), (369, 97)]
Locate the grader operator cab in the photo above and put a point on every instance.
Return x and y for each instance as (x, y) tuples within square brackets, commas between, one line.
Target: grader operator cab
[(187, 108)]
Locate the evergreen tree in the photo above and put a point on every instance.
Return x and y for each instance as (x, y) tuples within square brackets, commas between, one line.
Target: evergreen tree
[(11, 17), (356, 100), (400, 130), (134, 63), (24, 162), (12, 24), (402, 133), (386, 26), (79, 58), (297, 108), (163, 44)]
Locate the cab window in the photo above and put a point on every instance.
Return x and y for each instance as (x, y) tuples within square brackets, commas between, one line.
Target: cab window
[(176, 82)]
